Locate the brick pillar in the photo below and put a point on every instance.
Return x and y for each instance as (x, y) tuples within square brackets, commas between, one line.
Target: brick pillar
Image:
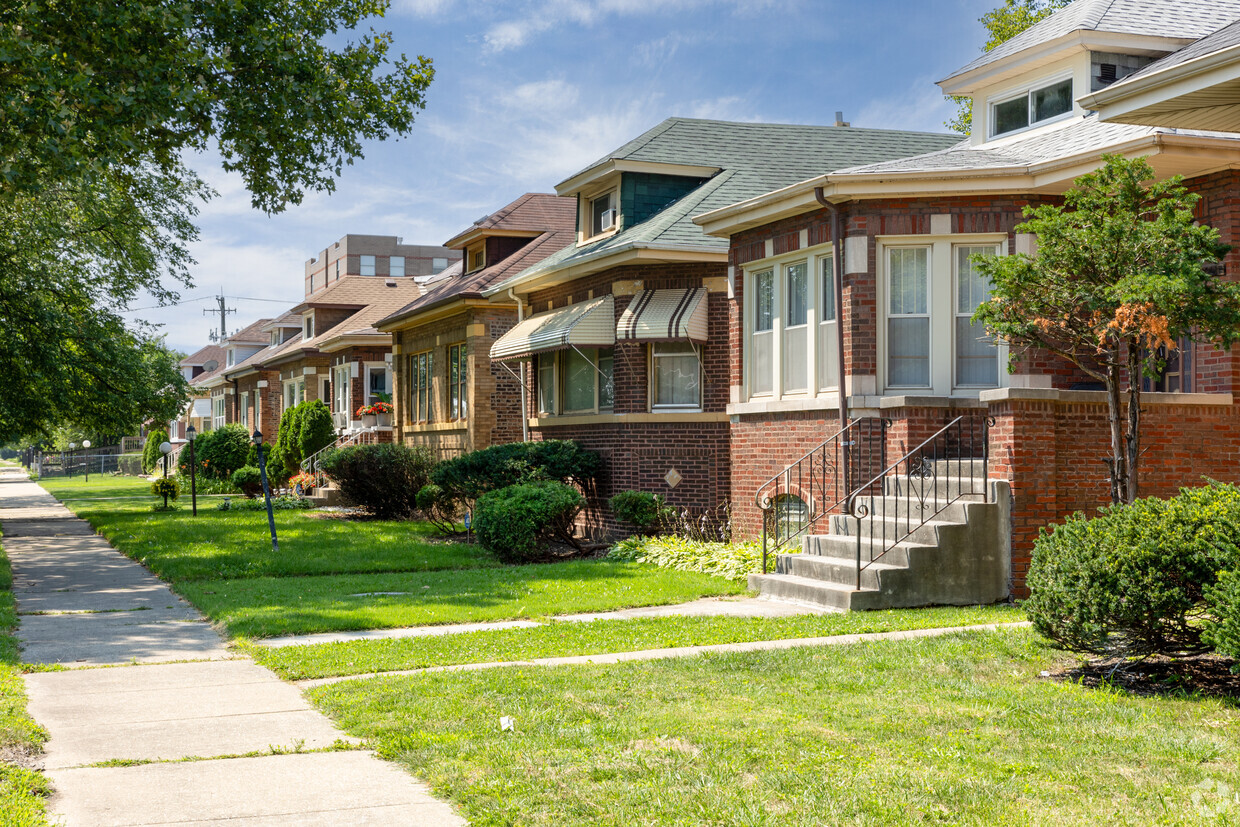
[(1024, 452)]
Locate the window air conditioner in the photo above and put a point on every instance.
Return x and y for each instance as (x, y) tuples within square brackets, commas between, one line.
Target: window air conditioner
[(609, 219)]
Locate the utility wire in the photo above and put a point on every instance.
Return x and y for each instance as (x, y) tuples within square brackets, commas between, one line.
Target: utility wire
[(208, 298)]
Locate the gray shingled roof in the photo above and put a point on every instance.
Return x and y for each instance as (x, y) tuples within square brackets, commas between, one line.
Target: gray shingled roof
[(1088, 135), (1185, 19), (755, 158), (1224, 38)]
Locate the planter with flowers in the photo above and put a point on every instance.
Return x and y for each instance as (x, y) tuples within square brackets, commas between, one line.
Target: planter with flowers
[(377, 413), (302, 483)]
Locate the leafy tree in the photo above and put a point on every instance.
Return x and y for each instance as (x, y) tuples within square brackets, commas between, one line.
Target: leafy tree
[(1119, 274), (100, 102), (1002, 24)]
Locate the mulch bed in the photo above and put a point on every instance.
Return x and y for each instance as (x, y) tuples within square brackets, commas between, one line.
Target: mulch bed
[(1205, 676)]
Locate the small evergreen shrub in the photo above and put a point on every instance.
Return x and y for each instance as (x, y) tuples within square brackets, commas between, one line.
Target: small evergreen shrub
[(151, 455), (385, 479), (288, 442), (166, 488), (516, 523), (1133, 580), (437, 507), (283, 503), (316, 430), (1223, 634), (248, 480), (639, 508), (735, 561), (220, 452), (471, 475)]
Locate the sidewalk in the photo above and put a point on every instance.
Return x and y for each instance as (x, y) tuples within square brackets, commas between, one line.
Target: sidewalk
[(176, 693)]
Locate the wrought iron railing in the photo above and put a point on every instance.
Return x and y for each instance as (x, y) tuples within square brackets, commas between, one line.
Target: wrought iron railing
[(818, 484), (313, 464), (919, 486)]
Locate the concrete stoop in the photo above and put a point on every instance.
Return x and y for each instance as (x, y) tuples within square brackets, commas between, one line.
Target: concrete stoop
[(960, 557), (325, 496)]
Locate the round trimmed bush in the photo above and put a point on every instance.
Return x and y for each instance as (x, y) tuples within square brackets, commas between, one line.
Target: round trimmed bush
[(471, 475), (249, 480), (1133, 580), (385, 478), (517, 523), (640, 508)]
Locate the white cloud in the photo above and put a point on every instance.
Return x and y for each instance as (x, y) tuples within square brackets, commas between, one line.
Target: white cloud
[(921, 106), (423, 8)]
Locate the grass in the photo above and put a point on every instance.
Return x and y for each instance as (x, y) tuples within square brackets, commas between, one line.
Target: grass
[(277, 606), (598, 637), (222, 561), (22, 791), (957, 730)]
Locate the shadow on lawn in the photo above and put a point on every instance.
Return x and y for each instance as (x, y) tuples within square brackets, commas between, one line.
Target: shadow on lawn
[(1202, 676)]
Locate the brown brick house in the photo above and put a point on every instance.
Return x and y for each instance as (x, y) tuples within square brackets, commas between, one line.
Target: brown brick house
[(257, 399), (911, 358), (450, 397), (624, 339)]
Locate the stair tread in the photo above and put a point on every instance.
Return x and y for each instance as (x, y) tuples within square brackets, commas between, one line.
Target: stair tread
[(844, 561), (813, 582)]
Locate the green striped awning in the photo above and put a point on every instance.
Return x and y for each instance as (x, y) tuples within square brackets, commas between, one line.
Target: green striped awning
[(590, 323), (665, 316)]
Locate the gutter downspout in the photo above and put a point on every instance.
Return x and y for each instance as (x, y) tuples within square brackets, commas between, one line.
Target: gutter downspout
[(525, 409), (838, 274)]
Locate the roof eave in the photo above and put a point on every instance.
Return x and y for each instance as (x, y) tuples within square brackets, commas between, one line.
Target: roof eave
[(611, 166), (638, 252), (1129, 98), (473, 234), (339, 343)]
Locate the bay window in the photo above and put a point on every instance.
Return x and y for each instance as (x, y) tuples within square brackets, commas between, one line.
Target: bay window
[(546, 383), (458, 404), (342, 376), (245, 410), (828, 344), (220, 413), (676, 376), (576, 381), (796, 324), (420, 387), (908, 318), (762, 375), (977, 362)]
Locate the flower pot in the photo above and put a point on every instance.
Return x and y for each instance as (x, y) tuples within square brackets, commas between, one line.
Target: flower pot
[(368, 420), (385, 420)]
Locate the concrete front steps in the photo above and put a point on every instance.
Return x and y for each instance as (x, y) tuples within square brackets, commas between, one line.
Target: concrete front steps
[(960, 556), (324, 496)]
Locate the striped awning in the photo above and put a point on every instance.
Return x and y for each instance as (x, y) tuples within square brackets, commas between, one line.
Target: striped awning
[(587, 324), (665, 316)]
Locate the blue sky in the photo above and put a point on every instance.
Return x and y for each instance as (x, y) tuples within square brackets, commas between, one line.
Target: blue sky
[(526, 93)]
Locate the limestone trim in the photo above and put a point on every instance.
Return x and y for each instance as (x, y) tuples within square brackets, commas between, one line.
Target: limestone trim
[(1100, 397), (627, 419)]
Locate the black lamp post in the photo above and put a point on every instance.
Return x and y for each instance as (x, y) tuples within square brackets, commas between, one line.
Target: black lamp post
[(257, 439), (190, 433)]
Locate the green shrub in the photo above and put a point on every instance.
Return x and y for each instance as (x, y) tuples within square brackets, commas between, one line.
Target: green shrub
[(287, 451), (640, 508), (151, 454), (316, 429), (471, 475), (384, 479), (248, 480), (221, 452), (439, 509), (166, 488), (1133, 580), (1224, 601), (516, 523), (735, 561), (283, 503)]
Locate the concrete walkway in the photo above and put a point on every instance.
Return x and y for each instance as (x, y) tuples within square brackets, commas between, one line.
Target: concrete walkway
[(175, 694)]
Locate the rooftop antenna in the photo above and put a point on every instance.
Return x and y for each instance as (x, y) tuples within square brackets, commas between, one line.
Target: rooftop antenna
[(223, 310)]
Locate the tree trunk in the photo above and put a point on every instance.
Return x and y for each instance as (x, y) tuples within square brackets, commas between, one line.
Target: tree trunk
[(1119, 455), (1134, 420)]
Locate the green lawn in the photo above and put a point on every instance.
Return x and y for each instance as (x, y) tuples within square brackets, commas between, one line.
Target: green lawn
[(952, 730), (282, 605), (22, 791), (598, 637), (222, 561)]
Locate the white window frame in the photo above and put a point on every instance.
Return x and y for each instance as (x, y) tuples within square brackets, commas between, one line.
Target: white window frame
[(654, 356), (941, 299), (245, 410), (219, 412), (232, 357), (342, 392), (376, 367), (307, 326), (477, 250), (817, 377), (366, 262), (585, 227), (1026, 91)]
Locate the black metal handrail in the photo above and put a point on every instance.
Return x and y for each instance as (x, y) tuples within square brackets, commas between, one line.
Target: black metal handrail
[(913, 482), (820, 482)]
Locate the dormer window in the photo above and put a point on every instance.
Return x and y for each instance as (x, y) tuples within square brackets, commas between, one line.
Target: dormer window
[(231, 358), (368, 265), (602, 214), (1031, 107), (275, 338), (477, 257), (307, 327)]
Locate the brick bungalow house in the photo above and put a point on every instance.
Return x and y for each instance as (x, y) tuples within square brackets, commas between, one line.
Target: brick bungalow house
[(256, 388), (625, 343), (913, 362), (199, 364), (216, 386), (450, 397)]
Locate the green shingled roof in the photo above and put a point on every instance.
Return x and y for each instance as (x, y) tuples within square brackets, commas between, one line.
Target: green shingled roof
[(755, 158)]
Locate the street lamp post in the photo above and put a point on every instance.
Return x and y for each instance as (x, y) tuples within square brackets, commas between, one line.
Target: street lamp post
[(86, 445), (165, 448), (257, 439), (190, 433), (72, 448)]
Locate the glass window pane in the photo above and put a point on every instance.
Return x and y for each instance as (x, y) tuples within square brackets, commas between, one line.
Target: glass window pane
[(607, 388), (764, 300), (546, 383), (794, 361), (826, 299), (977, 358), (796, 280), (368, 265), (579, 378), (761, 366), (1011, 115), (396, 266), (908, 278), (972, 288), (908, 352), (598, 207), (1052, 100), (677, 375)]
